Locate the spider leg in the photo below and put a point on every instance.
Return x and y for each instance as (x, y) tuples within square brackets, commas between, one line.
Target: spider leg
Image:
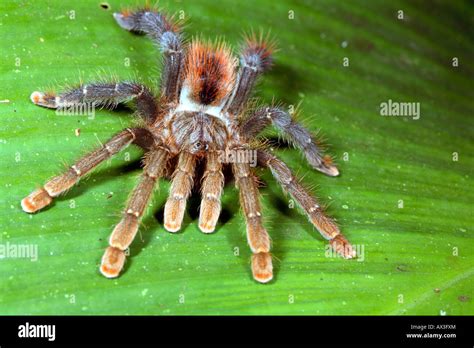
[(299, 135), (181, 187), (59, 184), (102, 94), (166, 35), (325, 225), (255, 59), (212, 186), (143, 139), (126, 230), (257, 235)]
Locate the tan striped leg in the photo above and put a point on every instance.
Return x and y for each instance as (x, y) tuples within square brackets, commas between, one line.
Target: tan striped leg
[(59, 184), (181, 187), (325, 225), (212, 186), (125, 231), (257, 235)]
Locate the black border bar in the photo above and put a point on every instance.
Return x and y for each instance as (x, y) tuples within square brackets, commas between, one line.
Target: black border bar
[(331, 330)]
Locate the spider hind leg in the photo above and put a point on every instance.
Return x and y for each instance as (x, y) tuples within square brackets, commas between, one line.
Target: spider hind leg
[(324, 224)]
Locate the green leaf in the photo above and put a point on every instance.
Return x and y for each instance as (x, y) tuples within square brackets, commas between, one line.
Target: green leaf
[(405, 192)]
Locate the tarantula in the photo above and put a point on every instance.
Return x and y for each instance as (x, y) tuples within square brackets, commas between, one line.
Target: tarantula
[(200, 112)]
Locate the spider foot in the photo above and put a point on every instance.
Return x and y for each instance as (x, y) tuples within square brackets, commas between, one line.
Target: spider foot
[(124, 21), (324, 165), (209, 215), (44, 100), (328, 169), (112, 262), (35, 201), (342, 246), (174, 213), (262, 268)]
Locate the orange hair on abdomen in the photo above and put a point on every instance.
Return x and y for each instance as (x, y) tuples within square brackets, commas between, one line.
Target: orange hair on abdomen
[(210, 71)]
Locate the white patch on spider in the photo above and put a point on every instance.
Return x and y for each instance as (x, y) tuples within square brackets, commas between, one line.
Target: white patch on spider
[(76, 170), (132, 212), (186, 104)]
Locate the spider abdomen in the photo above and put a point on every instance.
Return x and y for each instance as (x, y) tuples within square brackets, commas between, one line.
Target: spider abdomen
[(209, 72)]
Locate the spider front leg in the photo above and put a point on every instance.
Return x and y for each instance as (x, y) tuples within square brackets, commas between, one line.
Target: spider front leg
[(102, 94), (325, 225), (166, 34), (59, 184), (181, 187), (126, 230), (257, 235), (299, 135), (211, 191), (255, 59)]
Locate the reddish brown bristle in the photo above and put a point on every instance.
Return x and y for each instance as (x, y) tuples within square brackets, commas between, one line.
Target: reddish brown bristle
[(209, 72), (126, 12), (148, 7), (265, 44), (260, 45), (327, 160)]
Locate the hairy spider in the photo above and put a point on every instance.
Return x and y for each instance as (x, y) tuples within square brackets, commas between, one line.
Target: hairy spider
[(201, 113)]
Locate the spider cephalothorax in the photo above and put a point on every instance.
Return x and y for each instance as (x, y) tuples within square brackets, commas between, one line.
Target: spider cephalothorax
[(200, 114)]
